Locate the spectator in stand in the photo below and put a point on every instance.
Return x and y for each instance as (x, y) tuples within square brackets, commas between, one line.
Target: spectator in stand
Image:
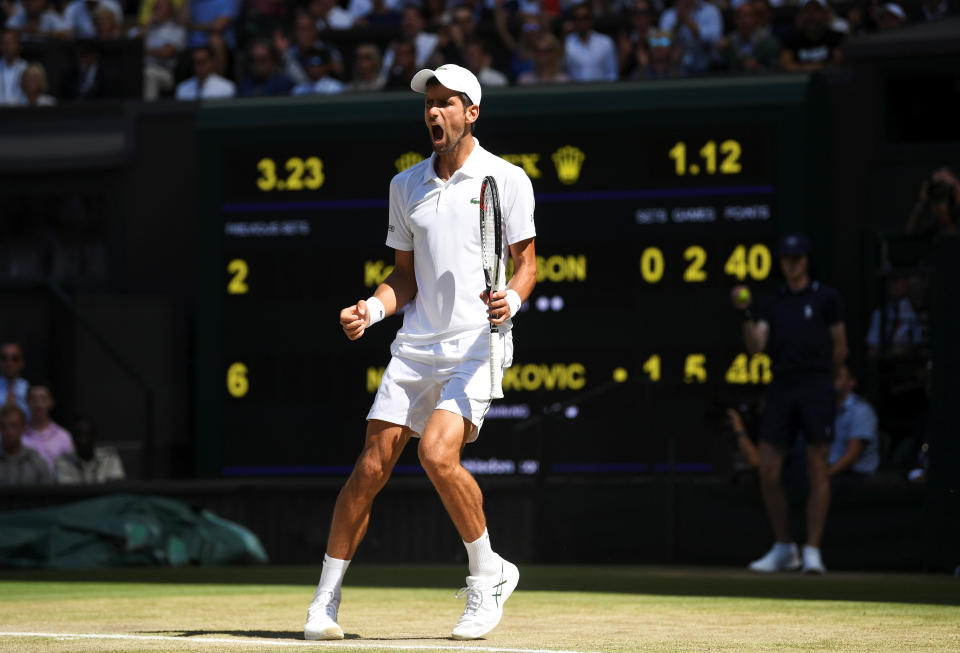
[(264, 78), (36, 21), (262, 17), (937, 211), (318, 73), (211, 23), (548, 65), (13, 388), (79, 16), (633, 49), (88, 463), (452, 43), (478, 62), (855, 450), (163, 41), (107, 24), (90, 79), (145, 13), (522, 48), (380, 15), (360, 8), (205, 84), (19, 464), (412, 29), (696, 27), (661, 61), (591, 56), (890, 16), (813, 44), (11, 68), (33, 83), (305, 39), (42, 434), (404, 67), (327, 14), (933, 10), (436, 14), (750, 48), (366, 69), (902, 329)]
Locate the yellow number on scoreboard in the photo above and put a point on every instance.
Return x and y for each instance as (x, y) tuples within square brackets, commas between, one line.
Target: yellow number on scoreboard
[(695, 369), (754, 262), (651, 367), (268, 174), (315, 176), (697, 257), (754, 370), (238, 282), (651, 265), (237, 382), (731, 160)]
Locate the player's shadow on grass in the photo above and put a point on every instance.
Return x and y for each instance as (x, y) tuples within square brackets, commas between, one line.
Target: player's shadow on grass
[(282, 634)]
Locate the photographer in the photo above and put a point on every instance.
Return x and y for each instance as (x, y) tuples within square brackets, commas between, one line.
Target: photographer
[(937, 210)]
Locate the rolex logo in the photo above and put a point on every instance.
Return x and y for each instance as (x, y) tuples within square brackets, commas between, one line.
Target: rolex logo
[(568, 161), (407, 159)]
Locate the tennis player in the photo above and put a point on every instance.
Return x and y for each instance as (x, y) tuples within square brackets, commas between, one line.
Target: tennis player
[(437, 386)]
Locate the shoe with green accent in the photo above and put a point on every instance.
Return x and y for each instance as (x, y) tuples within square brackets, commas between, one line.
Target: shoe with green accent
[(485, 598)]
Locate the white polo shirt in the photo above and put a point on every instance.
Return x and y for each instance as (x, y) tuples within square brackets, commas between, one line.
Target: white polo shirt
[(440, 222)]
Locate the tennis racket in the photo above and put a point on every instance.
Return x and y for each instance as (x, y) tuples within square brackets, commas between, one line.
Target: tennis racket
[(491, 251)]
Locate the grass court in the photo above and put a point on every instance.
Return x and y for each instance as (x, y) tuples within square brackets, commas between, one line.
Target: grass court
[(412, 608)]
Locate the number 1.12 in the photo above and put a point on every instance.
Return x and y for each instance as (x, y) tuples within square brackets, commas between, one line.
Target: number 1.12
[(729, 150)]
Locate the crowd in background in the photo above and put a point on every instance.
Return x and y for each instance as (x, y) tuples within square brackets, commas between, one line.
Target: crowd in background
[(34, 449), (228, 48)]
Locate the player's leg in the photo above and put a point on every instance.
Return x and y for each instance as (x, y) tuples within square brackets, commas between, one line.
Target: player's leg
[(775, 437), (818, 410), (439, 451), (383, 445)]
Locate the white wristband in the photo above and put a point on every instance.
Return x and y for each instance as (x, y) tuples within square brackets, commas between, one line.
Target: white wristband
[(513, 301), (377, 310)]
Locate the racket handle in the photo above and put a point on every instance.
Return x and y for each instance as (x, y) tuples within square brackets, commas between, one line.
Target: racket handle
[(496, 363)]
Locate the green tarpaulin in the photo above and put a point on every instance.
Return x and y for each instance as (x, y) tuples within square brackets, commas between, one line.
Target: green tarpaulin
[(123, 529)]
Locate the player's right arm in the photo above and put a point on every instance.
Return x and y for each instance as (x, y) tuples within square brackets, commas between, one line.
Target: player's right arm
[(396, 291), (755, 332)]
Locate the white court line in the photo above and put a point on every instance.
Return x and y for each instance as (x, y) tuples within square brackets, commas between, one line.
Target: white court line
[(271, 642)]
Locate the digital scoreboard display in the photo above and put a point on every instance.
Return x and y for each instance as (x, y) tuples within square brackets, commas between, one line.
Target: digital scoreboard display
[(626, 351)]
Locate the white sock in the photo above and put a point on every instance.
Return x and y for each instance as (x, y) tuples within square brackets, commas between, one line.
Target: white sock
[(331, 578), (481, 557)]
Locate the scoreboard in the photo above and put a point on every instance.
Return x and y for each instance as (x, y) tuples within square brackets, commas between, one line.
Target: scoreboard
[(652, 201)]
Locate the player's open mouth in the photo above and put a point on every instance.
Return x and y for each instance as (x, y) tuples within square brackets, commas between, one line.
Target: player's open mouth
[(436, 131)]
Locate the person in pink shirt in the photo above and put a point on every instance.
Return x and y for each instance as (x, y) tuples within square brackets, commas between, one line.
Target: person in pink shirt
[(43, 434)]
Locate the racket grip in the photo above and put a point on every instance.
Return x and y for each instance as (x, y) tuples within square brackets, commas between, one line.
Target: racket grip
[(496, 364)]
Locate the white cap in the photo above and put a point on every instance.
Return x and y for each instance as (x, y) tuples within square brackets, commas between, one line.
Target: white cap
[(895, 9), (453, 77)]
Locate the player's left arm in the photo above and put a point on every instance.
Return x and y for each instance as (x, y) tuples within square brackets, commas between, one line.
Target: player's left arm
[(524, 279), (838, 334)]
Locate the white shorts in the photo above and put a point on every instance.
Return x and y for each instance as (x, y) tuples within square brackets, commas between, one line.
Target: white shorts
[(452, 376)]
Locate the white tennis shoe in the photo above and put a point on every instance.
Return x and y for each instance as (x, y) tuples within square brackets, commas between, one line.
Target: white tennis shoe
[(485, 598), (812, 562), (322, 617), (782, 557)]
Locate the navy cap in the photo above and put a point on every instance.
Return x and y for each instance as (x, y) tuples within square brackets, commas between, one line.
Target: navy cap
[(794, 245)]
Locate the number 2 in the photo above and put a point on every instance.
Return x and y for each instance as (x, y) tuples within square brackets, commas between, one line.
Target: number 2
[(238, 283), (697, 257)]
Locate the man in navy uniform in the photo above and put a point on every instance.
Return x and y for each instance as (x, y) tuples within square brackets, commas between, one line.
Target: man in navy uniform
[(802, 330)]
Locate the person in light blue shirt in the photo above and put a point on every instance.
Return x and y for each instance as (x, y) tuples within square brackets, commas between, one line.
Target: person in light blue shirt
[(13, 389), (591, 56), (902, 328), (212, 18), (855, 449), (696, 27)]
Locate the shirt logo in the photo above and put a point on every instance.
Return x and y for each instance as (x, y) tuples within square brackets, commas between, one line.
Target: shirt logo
[(391, 228), (474, 200), (808, 311)]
